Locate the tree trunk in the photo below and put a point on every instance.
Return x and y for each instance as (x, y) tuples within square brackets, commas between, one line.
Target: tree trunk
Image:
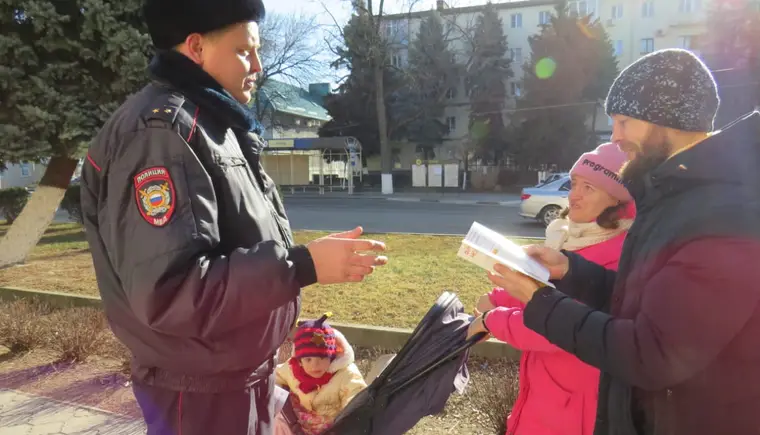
[(39, 212), (386, 157), (593, 123)]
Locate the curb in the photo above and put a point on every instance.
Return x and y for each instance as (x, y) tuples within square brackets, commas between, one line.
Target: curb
[(457, 201), (359, 335), (511, 203)]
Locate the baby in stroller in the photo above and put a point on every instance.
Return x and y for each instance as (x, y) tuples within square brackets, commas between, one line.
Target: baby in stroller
[(321, 376)]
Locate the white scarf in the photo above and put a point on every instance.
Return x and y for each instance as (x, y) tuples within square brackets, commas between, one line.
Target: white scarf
[(572, 236)]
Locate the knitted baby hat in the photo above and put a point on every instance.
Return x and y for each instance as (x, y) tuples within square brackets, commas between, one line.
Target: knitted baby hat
[(315, 338)]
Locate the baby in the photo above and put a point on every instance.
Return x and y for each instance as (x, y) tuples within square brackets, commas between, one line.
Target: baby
[(321, 376)]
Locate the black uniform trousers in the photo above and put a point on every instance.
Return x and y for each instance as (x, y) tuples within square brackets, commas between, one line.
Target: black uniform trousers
[(246, 412)]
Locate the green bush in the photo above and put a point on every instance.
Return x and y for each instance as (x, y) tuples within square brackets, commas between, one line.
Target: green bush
[(71, 202), (12, 201)]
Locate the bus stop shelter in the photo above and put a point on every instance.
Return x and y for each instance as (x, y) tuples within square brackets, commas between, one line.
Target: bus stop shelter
[(321, 164)]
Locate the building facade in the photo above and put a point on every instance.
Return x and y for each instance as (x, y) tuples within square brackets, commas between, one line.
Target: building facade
[(21, 175), (288, 111), (635, 27)]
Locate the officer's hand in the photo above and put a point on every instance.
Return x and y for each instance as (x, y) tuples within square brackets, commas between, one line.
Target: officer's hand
[(337, 259)]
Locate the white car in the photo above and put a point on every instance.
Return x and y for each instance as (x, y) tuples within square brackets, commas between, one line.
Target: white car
[(545, 202)]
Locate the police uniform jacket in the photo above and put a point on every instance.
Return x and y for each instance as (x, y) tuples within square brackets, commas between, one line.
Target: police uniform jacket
[(193, 252)]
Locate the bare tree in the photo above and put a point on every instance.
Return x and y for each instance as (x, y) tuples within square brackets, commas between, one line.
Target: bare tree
[(292, 50)]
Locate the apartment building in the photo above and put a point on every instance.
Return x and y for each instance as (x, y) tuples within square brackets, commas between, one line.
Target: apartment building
[(636, 27)]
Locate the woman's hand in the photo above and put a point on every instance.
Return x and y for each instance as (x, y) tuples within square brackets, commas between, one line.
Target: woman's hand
[(516, 284), (477, 326), (484, 304)]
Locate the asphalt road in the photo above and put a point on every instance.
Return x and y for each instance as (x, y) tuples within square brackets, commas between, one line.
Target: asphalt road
[(378, 215)]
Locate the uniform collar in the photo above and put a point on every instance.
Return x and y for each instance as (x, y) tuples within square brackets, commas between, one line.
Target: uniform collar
[(176, 70)]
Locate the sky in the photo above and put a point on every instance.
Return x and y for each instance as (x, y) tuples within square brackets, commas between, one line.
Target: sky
[(329, 12)]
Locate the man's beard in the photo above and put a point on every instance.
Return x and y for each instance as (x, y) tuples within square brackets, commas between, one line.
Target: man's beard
[(648, 158)]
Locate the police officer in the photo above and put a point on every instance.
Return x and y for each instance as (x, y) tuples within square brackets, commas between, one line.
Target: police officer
[(193, 252)]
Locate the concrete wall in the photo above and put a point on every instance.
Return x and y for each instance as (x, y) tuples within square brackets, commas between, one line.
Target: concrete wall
[(358, 335)]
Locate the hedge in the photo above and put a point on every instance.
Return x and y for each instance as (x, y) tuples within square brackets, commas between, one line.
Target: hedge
[(12, 201), (71, 204)]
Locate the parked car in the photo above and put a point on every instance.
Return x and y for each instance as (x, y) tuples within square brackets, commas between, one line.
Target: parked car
[(553, 177), (545, 202)]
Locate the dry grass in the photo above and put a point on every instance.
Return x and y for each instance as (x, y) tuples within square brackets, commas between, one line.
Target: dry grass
[(20, 328), (78, 333), (74, 334), (493, 393), (397, 295)]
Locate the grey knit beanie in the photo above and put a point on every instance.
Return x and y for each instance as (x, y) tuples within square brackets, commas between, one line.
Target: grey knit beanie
[(670, 87)]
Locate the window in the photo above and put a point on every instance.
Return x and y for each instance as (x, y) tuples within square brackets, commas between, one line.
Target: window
[(566, 186), (685, 42), (451, 124), (396, 60), (687, 6), (647, 9), (617, 47), (26, 170), (391, 28), (516, 21), (647, 45), (617, 11), (516, 55), (451, 93), (544, 17), (516, 89), (580, 7)]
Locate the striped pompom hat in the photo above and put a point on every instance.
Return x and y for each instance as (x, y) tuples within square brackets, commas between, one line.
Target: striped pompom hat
[(315, 338)]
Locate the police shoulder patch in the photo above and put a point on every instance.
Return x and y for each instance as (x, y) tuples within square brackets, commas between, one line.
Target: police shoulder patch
[(154, 193)]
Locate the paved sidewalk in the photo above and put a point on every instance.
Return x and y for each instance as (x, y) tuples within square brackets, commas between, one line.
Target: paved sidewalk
[(26, 414)]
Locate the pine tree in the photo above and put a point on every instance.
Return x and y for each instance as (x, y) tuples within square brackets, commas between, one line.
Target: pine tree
[(65, 65), (432, 73), (485, 81), (571, 69)]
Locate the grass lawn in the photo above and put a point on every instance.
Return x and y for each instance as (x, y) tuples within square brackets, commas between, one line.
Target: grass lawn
[(398, 295)]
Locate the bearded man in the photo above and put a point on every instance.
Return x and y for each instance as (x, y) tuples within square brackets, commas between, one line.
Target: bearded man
[(676, 330)]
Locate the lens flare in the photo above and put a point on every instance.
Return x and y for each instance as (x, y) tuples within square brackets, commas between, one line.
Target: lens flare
[(545, 67)]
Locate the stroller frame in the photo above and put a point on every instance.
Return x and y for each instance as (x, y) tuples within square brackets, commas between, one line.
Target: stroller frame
[(443, 303)]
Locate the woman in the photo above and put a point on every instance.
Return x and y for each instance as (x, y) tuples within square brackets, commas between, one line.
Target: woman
[(558, 392)]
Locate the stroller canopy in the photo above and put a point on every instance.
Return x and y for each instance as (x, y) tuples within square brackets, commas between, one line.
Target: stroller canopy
[(419, 380)]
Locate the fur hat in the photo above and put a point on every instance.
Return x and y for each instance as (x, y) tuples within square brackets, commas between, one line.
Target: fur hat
[(670, 87), (171, 21), (315, 338)]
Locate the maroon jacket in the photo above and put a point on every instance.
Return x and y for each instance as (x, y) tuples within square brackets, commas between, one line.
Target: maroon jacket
[(676, 331)]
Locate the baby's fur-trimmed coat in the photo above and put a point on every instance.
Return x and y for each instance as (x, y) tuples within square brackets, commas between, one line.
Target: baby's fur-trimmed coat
[(329, 400)]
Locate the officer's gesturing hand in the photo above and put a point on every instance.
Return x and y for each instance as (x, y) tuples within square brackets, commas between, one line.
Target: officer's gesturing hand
[(338, 258)]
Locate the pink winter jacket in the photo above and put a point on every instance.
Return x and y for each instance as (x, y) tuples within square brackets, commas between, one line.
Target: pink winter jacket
[(558, 392)]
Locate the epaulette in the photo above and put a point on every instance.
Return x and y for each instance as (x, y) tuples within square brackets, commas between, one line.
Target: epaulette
[(165, 108)]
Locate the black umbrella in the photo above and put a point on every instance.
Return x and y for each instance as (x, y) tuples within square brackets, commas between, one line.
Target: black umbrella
[(419, 380)]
